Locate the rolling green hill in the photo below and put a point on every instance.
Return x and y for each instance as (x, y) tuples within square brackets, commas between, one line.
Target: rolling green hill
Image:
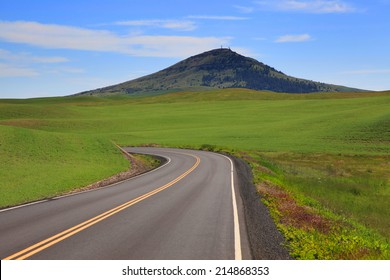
[(219, 68), (328, 151)]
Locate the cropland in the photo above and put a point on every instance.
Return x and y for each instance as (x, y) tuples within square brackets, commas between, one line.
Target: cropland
[(321, 161)]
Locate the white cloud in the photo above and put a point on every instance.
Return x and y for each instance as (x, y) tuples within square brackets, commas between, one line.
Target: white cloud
[(53, 59), (244, 9), (211, 17), (293, 38), (308, 6), (21, 64), (183, 25), (28, 58), (8, 70), (54, 36), (68, 70)]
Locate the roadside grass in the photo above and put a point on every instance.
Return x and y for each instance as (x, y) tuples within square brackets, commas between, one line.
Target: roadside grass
[(322, 220), (325, 156), (357, 187)]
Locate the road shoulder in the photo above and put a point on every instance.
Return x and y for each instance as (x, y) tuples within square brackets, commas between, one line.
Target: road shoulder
[(265, 241)]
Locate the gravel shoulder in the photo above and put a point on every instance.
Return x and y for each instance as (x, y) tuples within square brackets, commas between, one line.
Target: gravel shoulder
[(266, 242)]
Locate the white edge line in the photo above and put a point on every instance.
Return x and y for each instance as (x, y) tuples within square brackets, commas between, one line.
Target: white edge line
[(101, 188), (237, 236)]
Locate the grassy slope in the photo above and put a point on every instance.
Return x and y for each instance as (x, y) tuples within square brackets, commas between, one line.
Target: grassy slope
[(301, 124), (48, 146), (36, 164)]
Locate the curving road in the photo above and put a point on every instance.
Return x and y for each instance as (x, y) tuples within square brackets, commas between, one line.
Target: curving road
[(189, 208)]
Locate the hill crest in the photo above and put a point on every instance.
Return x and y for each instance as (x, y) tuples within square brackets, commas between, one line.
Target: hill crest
[(218, 68)]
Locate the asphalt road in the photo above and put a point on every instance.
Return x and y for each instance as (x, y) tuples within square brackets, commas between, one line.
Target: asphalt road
[(188, 208)]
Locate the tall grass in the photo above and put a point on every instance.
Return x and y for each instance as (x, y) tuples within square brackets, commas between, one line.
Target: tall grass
[(323, 217)]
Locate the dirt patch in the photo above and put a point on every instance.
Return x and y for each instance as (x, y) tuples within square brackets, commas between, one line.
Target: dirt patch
[(291, 213)]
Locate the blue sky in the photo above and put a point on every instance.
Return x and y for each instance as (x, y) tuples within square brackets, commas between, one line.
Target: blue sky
[(55, 48)]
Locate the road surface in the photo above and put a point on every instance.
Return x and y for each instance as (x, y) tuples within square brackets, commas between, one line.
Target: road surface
[(189, 208)]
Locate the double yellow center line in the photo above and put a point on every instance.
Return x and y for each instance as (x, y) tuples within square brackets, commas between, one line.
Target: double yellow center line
[(38, 247)]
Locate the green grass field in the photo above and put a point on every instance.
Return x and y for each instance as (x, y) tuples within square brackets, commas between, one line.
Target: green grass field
[(333, 147)]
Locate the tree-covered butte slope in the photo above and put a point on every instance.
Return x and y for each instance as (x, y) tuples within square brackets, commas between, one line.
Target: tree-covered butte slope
[(219, 68)]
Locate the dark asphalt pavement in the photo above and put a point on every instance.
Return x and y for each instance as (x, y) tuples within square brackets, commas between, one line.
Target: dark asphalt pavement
[(182, 210)]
